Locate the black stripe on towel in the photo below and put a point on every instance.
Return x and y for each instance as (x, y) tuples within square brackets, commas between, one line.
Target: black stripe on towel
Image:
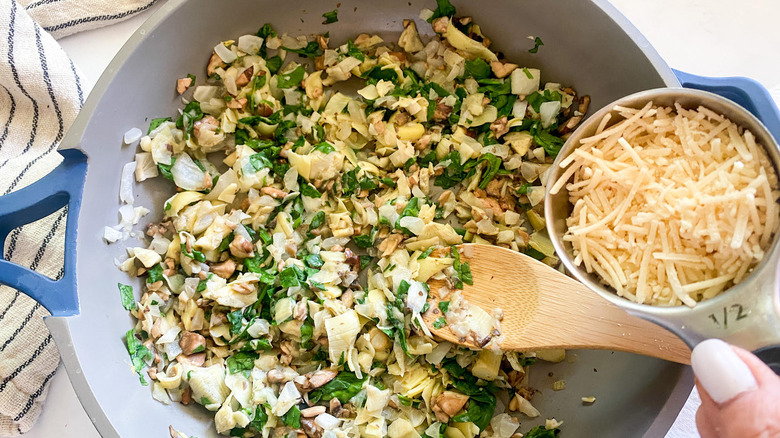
[(11, 113), (2, 315), (27, 363), (27, 319), (54, 229), (40, 3), (95, 18), (47, 81), (33, 396), (15, 74), (78, 83)]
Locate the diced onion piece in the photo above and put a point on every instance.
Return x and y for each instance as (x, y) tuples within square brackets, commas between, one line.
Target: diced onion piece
[(250, 43), (111, 235), (548, 111), (327, 421), (520, 82), (187, 174), (145, 167), (224, 53), (342, 331), (288, 397), (133, 135), (126, 183)]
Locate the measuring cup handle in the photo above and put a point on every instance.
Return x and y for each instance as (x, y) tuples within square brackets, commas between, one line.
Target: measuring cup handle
[(62, 186), (745, 91), (755, 98)]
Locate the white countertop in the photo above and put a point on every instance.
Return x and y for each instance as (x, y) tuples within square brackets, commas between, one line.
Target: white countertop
[(705, 37)]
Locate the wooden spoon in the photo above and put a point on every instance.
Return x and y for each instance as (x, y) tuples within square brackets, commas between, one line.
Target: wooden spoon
[(545, 309)]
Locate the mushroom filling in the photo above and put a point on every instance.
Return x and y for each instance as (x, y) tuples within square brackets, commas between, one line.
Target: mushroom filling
[(286, 283)]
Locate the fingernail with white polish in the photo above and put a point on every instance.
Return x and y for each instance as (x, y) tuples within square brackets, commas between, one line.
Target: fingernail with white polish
[(720, 371)]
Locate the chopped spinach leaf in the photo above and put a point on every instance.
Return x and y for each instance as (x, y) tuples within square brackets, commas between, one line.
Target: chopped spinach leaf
[(425, 254), (477, 68), (353, 51), (290, 79), (241, 361), (191, 114), (443, 9), (537, 42), (126, 293), (273, 63), (317, 220), (325, 148), (292, 276), (311, 50), (155, 123), (139, 354), (343, 387), (331, 17), (309, 190), (292, 418), (155, 274)]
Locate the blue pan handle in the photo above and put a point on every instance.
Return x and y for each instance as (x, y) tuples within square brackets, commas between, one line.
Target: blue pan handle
[(755, 98), (63, 186), (747, 92)]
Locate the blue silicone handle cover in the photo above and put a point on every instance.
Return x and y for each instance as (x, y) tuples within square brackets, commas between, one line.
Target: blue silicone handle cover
[(63, 186), (746, 92)]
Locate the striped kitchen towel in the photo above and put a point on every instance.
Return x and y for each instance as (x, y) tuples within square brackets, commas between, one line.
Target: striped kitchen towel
[(40, 94)]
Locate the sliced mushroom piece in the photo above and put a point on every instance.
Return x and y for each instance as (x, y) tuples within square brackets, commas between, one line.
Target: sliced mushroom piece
[(183, 84), (320, 378), (447, 404), (245, 76), (224, 269), (192, 342)]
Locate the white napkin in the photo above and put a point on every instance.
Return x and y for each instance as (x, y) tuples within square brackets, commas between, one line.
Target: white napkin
[(40, 94)]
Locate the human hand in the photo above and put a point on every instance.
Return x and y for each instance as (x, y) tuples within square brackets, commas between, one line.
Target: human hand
[(740, 395)]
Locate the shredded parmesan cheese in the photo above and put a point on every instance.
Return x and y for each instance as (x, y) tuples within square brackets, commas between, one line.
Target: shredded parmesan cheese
[(671, 206)]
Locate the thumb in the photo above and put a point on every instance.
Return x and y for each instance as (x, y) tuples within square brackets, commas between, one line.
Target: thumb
[(740, 395), (721, 372)]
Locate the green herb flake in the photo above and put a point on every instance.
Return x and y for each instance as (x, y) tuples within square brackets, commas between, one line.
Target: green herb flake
[(139, 354), (325, 148), (292, 276), (439, 323), (155, 274), (317, 220), (443, 9), (292, 418), (274, 63), (477, 68), (309, 190), (425, 254), (290, 79), (353, 51), (527, 73), (126, 293), (241, 361), (345, 386), (155, 123), (191, 114), (331, 17), (537, 42), (542, 432), (311, 50), (444, 306)]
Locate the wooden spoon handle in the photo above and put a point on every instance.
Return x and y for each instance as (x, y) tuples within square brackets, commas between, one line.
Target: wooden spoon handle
[(585, 320)]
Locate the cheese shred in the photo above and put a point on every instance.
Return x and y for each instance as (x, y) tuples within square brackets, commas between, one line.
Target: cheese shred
[(671, 206)]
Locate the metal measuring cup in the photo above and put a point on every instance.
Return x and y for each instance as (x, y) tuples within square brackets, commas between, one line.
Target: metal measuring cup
[(746, 314)]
